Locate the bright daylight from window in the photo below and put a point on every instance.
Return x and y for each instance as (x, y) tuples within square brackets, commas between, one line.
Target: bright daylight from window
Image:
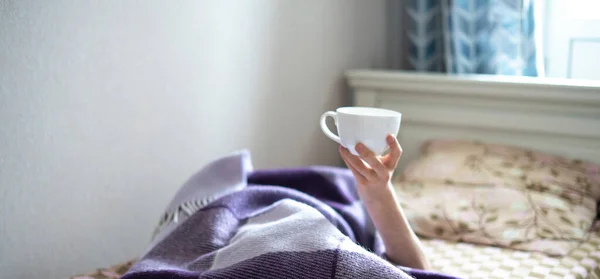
[(571, 38)]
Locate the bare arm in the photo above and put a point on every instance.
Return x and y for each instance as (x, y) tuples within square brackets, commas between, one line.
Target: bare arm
[(376, 191)]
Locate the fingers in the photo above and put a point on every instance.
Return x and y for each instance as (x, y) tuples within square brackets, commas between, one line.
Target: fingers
[(357, 175), (372, 160), (357, 164), (391, 160)]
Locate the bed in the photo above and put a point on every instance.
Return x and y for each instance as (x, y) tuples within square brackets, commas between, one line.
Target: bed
[(486, 262), (558, 117), (494, 262)]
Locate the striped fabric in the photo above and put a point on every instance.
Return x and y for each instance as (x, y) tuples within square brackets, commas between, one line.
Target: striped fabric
[(473, 261), (285, 223), (477, 262), (311, 225)]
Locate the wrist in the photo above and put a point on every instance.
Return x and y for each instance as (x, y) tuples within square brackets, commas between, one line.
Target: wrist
[(378, 198), (375, 191)]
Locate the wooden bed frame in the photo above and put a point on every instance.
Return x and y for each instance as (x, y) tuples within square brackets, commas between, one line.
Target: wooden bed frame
[(556, 116)]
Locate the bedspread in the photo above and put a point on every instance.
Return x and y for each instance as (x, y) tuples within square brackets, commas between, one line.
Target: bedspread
[(228, 221)]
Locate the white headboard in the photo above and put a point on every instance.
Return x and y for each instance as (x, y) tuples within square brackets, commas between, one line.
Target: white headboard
[(556, 116)]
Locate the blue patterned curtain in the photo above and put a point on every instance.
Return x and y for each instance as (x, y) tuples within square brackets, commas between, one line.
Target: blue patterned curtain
[(472, 36)]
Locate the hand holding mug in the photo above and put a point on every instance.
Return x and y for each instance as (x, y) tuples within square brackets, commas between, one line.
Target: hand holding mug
[(369, 126), (364, 135), (372, 171)]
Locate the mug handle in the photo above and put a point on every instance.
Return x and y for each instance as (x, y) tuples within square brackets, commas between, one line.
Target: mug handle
[(326, 130)]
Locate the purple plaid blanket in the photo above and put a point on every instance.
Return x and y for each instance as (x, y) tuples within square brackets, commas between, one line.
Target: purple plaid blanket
[(229, 221)]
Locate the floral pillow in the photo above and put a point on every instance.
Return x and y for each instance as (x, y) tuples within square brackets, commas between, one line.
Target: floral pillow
[(500, 195)]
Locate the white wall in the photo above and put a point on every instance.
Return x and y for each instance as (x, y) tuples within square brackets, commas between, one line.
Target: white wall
[(106, 107)]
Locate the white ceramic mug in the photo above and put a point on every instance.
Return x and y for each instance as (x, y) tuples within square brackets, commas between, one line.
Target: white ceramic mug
[(369, 126)]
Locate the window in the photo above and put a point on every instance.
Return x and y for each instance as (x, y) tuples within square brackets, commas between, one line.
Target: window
[(571, 38)]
